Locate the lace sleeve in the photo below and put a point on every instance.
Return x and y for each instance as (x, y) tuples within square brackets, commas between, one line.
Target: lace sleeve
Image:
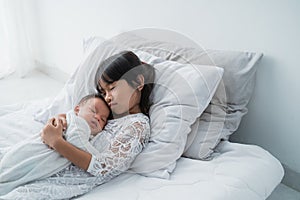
[(122, 150)]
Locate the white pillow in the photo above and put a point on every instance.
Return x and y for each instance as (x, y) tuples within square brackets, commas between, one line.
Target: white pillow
[(182, 93)]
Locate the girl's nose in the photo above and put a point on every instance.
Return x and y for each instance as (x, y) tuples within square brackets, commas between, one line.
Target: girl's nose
[(108, 98)]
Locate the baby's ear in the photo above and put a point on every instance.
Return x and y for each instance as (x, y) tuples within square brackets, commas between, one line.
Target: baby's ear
[(140, 82), (76, 109)]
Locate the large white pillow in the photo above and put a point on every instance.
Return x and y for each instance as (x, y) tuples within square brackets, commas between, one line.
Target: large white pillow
[(181, 94)]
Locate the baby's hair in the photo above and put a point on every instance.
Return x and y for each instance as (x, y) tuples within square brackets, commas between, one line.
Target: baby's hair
[(91, 96)]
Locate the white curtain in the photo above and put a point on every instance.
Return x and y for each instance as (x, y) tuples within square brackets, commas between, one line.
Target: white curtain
[(16, 52)]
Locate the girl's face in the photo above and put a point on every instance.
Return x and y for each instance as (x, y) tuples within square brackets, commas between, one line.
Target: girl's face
[(122, 98), (95, 112)]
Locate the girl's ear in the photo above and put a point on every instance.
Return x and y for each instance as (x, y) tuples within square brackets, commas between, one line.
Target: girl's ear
[(141, 81), (76, 109)]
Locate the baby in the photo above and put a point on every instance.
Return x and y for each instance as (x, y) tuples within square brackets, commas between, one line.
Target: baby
[(31, 159), (92, 110)]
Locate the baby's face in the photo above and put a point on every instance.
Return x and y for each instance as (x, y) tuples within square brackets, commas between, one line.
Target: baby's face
[(95, 112)]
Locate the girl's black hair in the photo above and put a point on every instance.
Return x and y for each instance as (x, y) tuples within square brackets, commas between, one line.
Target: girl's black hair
[(126, 65), (91, 96)]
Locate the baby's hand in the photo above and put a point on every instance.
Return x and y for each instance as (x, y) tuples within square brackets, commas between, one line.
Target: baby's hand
[(63, 121), (55, 121), (52, 121), (52, 132)]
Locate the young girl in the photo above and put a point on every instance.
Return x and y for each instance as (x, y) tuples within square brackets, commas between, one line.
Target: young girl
[(126, 84)]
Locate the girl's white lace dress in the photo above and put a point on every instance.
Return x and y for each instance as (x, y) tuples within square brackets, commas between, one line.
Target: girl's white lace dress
[(115, 149)]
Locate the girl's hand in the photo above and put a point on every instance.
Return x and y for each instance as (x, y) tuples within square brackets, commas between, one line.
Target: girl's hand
[(52, 132)]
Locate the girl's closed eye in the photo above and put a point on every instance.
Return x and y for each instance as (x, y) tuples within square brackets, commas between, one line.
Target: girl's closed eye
[(111, 88)]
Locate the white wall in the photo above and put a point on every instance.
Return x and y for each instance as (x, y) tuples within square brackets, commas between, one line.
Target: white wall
[(269, 26)]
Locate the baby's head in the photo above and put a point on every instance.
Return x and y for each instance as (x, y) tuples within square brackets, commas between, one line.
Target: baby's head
[(94, 109)]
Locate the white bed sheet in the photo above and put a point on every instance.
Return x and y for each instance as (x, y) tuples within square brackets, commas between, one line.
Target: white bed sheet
[(237, 171)]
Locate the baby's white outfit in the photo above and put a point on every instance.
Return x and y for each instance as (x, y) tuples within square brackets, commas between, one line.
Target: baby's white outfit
[(31, 159)]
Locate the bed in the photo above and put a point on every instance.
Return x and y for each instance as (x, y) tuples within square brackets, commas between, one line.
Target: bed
[(191, 158)]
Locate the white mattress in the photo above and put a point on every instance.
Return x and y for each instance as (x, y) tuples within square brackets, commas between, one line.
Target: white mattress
[(236, 172)]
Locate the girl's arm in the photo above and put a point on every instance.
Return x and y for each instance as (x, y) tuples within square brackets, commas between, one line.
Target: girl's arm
[(52, 136), (77, 156), (122, 150)]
